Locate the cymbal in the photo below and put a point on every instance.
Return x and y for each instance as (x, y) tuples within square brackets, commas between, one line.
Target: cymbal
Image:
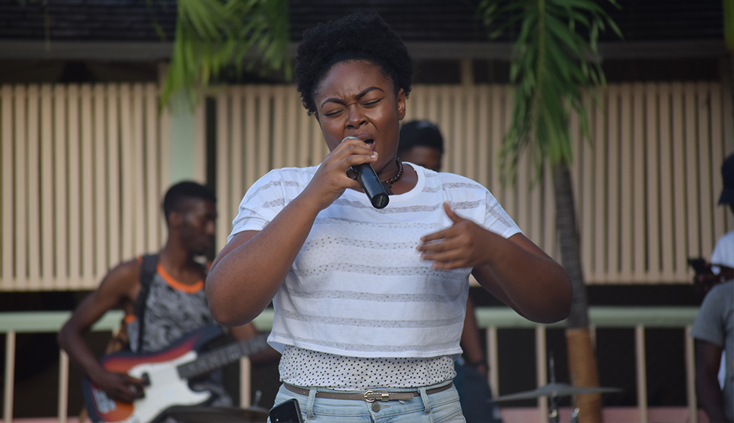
[(204, 414), (555, 390)]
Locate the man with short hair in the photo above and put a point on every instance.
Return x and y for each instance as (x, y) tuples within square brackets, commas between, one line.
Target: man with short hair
[(713, 329), (174, 300)]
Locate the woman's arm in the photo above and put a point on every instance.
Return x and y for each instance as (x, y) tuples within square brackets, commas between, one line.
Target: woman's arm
[(514, 270), (248, 272), (250, 269)]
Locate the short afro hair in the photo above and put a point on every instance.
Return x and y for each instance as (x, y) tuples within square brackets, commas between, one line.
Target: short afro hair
[(177, 194), (353, 37), (420, 133)]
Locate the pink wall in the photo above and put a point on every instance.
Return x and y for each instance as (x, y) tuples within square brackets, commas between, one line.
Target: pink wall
[(611, 415)]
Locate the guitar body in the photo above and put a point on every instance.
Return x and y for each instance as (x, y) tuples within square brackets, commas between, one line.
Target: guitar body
[(165, 387)]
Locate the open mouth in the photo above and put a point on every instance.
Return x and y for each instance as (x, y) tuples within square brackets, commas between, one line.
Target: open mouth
[(365, 138)]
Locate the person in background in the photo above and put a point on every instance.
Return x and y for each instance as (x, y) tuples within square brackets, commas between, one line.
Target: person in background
[(369, 303), (713, 329), (175, 304), (421, 143)]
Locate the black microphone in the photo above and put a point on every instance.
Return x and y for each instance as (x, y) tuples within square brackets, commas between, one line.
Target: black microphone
[(367, 177)]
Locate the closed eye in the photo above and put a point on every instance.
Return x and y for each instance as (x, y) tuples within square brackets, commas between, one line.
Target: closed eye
[(334, 113)]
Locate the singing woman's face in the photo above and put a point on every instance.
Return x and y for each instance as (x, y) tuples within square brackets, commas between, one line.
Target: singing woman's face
[(355, 98)]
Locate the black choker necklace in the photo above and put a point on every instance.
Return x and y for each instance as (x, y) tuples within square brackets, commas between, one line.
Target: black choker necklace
[(398, 175)]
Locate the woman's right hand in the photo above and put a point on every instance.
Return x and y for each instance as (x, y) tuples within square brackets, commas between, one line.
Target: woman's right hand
[(331, 178)]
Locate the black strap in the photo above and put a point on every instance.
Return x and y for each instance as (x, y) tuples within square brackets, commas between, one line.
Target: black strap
[(147, 272)]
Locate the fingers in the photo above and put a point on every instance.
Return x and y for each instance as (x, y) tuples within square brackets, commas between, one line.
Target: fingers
[(128, 394), (349, 153), (135, 381), (445, 260), (450, 213), (332, 176), (444, 252), (353, 151), (135, 387), (445, 233), (427, 240), (449, 248)]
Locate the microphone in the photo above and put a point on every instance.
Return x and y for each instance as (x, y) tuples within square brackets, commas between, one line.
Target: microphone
[(367, 177)]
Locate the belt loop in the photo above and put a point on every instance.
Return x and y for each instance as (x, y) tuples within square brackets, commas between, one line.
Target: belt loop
[(426, 401), (311, 400)]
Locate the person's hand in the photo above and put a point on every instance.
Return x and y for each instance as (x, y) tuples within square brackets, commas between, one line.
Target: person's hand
[(331, 179), (120, 386), (726, 273), (460, 245), (482, 368), (703, 282)]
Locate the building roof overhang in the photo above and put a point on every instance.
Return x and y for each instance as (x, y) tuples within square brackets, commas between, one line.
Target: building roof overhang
[(429, 50)]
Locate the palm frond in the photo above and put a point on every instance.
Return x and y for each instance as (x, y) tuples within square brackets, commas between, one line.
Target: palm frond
[(212, 35), (551, 65)]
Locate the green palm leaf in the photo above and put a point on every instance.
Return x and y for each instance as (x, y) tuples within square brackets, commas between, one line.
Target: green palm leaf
[(212, 35), (552, 63)]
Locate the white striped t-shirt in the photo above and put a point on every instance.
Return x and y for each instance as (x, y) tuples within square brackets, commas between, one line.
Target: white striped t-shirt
[(358, 286)]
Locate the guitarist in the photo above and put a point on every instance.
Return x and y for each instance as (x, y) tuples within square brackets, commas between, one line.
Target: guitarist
[(170, 303)]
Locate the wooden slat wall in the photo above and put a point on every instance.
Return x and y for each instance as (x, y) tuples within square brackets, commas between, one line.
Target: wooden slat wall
[(83, 171), (646, 182)]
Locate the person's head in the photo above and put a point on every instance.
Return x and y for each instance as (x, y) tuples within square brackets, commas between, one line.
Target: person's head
[(190, 211), (421, 143), (727, 176), (354, 74)]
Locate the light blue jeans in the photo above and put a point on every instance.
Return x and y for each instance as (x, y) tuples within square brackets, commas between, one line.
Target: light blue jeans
[(439, 407)]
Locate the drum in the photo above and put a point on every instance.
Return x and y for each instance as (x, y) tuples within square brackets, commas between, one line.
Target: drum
[(200, 414)]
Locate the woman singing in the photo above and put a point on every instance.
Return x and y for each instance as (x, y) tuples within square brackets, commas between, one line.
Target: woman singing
[(369, 303)]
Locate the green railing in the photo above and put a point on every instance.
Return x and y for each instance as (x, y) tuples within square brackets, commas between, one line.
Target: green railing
[(489, 318)]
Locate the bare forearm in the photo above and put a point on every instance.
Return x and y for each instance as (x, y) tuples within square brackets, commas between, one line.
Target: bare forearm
[(73, 343), (530, 282), (470, 342), (710, 398), (243, 280)]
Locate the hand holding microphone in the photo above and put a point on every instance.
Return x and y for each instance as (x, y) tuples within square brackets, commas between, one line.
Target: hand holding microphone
[(367, 177)]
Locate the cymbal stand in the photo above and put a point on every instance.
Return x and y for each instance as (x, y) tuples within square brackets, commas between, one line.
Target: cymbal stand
[(575, 412), (553, 416)]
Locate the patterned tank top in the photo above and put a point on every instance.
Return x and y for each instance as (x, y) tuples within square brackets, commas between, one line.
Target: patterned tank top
[(174, 309)]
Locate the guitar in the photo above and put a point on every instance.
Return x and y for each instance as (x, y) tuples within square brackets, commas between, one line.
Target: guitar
[(166, 373)]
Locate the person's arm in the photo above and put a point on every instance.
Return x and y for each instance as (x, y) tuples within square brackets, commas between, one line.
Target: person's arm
[(514, 270), (470, 342), (708, 391), (248, 331), (250, 269), (116, 287)]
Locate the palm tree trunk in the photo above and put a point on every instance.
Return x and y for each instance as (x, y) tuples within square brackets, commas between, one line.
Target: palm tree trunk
[(581, 354)]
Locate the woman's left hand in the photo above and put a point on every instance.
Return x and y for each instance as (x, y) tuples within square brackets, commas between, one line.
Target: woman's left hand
[(514, 270), (463, 244)]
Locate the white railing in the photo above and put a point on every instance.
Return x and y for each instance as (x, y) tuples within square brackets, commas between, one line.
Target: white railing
[(492, 319)]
